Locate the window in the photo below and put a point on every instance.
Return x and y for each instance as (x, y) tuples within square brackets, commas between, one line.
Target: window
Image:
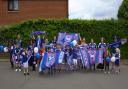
[(13, 5)]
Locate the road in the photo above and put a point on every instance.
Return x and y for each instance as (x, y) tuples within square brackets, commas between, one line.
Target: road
[(9, 79)]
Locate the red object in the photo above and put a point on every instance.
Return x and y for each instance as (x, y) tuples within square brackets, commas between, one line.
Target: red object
[(41, 52)]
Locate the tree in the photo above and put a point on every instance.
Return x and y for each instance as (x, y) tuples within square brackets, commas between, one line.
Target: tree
[(123, 10)]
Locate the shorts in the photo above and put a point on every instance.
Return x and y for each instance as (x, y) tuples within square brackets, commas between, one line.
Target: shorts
[(75, 61), (25, 64), (117, 62)]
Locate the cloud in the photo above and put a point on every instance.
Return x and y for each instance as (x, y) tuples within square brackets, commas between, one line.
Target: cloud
[(93, 9)]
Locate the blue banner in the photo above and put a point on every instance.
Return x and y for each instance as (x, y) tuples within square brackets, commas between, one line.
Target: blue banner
[(50, 60), (84, 57), (67, 38), (59, 57), (92, 56), (43, 62), (100, 56)]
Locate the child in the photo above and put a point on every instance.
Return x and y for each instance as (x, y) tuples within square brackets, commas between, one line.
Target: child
[(11, 56), (84, 46), (17, 58), (107, 61), (75, 58), (92, 54), (41, 51), (117, 61), (101, 51), (25, 63)]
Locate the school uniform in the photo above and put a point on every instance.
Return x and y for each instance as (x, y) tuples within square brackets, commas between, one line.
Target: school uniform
[(25, 61), (92, 46), (117, 61), (75, 56)]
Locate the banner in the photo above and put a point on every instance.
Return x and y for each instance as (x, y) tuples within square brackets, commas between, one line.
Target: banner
[(84, 57), (92, 56), (43, 62), (59, 57), (100, 56), (67, 38), (36, 33), (50, 60)]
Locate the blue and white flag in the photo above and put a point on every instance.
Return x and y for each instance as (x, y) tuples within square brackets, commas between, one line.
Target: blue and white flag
[(84, 57), (67, 38), (39, 42), (100, 56), (43, 62), (92, 56), (59, 57), (50, 60), (70, 60), (47, 61)]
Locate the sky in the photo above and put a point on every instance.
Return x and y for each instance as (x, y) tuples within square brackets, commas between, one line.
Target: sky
[(94, 9)]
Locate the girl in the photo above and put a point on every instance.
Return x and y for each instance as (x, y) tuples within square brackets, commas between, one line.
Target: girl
[(17, 58), (117, 61), (84, 54), (107, 61), (41, 51), (75, 58), (92, 54), (101, 51), (30, 49), (25, 62)]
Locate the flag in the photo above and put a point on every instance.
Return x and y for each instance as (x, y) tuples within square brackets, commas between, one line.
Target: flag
[(50, 60), (59, 57), (92, 56), (100, 56), (67, 38), (84, 57), (43, 62)]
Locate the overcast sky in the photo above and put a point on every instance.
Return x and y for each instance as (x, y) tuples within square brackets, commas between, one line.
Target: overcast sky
[(93, 9)]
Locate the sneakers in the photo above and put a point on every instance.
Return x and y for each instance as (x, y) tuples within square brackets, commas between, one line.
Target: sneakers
[(108, 72), (26, 74), (19, 70), (117, 72), (105, 72), (16, 70)]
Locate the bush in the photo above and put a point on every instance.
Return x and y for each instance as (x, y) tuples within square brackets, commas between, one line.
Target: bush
[(123, 10), (88, 29)]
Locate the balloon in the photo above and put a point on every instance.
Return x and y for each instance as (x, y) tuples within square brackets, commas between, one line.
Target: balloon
[(5, 49), (37, 55), (108, 59), (73, 43), (113, 59), (36, 50), (1, 48)]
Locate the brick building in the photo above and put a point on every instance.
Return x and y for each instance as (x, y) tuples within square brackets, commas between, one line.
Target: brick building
[(13, 11)]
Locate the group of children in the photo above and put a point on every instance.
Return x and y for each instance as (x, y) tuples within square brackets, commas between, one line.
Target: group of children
[(80, 56)]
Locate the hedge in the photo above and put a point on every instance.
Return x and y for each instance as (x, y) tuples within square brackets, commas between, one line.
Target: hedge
[(88, 29), (123, 10)]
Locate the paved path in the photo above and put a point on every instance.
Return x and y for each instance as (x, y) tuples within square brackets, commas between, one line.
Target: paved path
[(9, 79)]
